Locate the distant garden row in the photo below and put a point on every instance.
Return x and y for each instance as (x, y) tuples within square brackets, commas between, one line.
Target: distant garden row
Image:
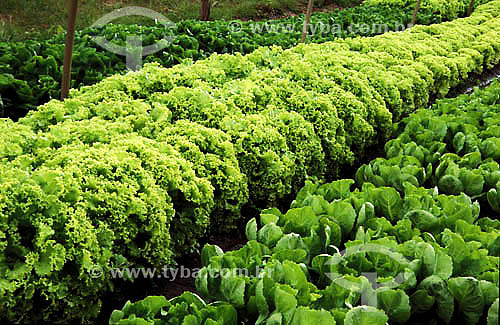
[(31, 71)]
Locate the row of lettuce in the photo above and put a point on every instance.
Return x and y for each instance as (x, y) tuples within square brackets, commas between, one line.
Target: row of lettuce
[(30, 72), (455, 147), (433, 256), (136, 169)]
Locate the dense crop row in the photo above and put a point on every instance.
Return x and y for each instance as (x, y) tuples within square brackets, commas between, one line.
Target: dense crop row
[(436, 260), (454, 147), (447, 9), (30, 72), (136, 168)]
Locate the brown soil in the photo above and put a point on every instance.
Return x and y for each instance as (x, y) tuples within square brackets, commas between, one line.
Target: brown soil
[(6, 18), (301, 9)]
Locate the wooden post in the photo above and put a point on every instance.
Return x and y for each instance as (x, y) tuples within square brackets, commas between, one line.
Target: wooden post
[(414, 19), (68, 49), (471, 6), (205, 10), (306, 20)]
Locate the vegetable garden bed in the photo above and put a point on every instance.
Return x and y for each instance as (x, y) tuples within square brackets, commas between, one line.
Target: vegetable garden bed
[(136, 169), (401, 170), (451, 244)]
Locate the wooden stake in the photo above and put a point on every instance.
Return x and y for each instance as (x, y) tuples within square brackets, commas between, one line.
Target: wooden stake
[(205, 10), (68, 49), (471, 6), (414, 19), (306, 21)]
